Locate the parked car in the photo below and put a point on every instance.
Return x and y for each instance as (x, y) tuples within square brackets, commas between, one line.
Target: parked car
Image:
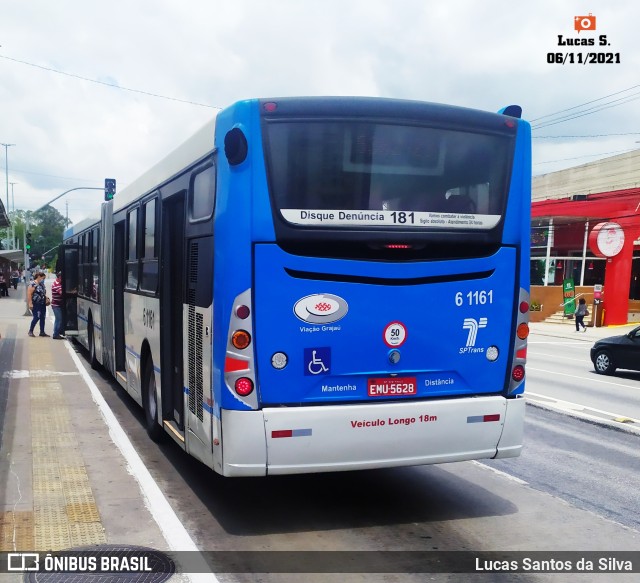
[(615, 352)]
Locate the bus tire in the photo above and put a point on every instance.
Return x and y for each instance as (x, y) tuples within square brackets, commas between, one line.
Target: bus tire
[(150, 402), (93, 360)]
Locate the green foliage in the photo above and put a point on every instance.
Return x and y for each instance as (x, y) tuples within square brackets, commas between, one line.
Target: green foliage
[(46, 227)]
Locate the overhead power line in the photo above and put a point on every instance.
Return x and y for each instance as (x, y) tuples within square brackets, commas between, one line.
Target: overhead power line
[(51, 70), (589, 111), (577, 111), (586, 103), (584, 136)]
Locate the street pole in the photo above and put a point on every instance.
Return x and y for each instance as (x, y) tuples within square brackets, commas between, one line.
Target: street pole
[(13, 223), (66, 192), (6, 173), (27, 311)]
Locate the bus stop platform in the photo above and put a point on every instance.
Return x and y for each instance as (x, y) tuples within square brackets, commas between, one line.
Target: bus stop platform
[(65, 482)]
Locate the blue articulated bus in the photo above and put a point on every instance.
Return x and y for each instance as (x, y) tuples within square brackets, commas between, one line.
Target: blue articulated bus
[(319, 284)]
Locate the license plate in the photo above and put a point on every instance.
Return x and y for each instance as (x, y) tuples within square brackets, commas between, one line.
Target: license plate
[(394, 387)]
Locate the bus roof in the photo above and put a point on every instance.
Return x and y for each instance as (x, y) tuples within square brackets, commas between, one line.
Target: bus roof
[(194, 148)]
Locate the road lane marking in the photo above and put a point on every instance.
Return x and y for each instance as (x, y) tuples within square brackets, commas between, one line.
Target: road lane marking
[(500, 473), (594, 380), (614, 419), (585, 343), (172, 529), (30, 374), (555, 356)]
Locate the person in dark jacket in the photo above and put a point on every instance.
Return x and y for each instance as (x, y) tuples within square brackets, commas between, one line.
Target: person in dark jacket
[(581, 312), (56, 306), (36, 300)]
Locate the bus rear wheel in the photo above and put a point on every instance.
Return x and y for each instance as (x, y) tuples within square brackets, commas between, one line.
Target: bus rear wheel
[(150, 402)]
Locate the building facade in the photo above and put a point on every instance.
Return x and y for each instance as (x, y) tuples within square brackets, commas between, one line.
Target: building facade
[(586, 227)]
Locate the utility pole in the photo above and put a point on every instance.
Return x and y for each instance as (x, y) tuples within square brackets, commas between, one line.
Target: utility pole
[(13, 223), (6, 173)]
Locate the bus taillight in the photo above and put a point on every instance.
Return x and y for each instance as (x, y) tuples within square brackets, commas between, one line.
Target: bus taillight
[(241, 339), (244, 386), (518, 373), (522, 331), (243, 312), (524, 307)]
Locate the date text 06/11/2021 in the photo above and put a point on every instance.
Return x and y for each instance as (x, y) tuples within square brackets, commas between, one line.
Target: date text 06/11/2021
[(583, 58)]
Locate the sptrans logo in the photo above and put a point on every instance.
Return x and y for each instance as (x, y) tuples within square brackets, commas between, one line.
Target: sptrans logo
[(473, 326), (581, 23)]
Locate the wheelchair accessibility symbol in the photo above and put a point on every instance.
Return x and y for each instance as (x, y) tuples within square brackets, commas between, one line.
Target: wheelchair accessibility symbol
[(317, 361)]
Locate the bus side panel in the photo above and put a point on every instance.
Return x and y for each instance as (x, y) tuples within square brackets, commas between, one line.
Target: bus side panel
[(198, 404), (134, 335), (89, 311), (83, 311)]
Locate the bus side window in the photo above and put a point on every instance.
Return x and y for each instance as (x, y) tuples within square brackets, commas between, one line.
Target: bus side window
[(202, 194), (95, 265), (132, 249), (149, 260)]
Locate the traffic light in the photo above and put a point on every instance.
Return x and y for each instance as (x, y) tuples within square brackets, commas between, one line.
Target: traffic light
[(109, 188), (27, 244)]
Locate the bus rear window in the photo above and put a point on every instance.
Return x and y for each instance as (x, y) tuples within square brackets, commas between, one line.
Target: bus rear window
[(354, 173)]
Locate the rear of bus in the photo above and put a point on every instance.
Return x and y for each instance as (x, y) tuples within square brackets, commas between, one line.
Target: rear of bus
[(371, 284)]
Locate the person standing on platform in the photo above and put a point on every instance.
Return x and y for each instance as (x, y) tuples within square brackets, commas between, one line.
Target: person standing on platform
[(56, 305), (36, 300)]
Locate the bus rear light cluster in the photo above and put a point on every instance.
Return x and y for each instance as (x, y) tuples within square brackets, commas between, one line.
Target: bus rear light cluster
[(241, 339), (519, 349), (240, 370), (244, 386)]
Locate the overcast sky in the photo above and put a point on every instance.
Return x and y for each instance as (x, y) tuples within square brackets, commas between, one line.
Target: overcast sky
[(77, 76)]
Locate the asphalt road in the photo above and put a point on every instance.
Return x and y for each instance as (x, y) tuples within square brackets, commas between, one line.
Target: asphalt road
[(574, 488), (562, 369)]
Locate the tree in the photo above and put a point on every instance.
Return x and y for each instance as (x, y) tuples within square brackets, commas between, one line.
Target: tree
[(46, 227)]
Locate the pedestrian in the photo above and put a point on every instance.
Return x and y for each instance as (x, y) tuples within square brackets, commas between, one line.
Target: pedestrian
[(581, 312), (4, 289), (56, 306), (36, 300)]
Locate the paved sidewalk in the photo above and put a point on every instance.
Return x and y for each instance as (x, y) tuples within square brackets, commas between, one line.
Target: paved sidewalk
[(568, 330), (63, 482)]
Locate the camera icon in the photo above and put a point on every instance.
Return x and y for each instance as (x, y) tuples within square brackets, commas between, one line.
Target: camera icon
[(584, 22)]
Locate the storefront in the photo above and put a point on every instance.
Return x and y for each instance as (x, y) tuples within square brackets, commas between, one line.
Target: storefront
[(593, 240)]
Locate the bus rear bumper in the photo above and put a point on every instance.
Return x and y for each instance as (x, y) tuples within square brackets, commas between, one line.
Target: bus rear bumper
[(293, 440)]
